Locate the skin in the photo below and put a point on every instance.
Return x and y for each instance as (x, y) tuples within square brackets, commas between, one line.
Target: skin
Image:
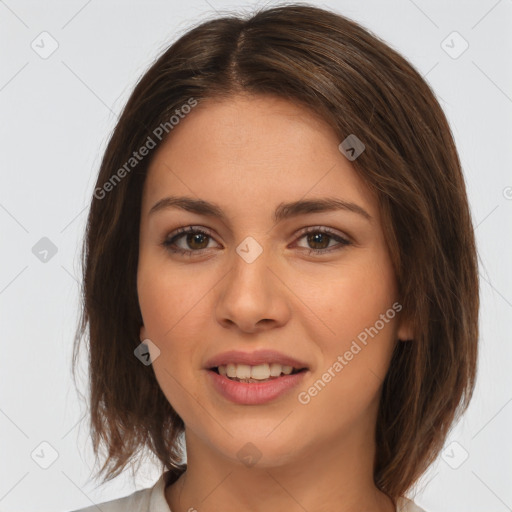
[(248, 154)]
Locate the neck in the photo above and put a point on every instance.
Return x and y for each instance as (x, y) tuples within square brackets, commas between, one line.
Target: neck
[(336, 476)]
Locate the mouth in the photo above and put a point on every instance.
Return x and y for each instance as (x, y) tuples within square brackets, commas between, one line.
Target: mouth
[(255, 385), (255, 374)]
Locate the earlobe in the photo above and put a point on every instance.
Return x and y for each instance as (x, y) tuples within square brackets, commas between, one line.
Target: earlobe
[(405, 330)]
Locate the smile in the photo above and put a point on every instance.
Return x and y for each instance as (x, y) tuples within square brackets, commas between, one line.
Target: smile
[(270, 382), (260, 372)]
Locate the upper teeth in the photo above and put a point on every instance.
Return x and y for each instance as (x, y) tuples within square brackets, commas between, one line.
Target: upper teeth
[(260, 371)]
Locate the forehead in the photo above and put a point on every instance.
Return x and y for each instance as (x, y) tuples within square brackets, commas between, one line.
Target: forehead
[(262, 149)]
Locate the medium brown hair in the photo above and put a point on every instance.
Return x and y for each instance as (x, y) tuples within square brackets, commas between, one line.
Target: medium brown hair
[(353, 80)]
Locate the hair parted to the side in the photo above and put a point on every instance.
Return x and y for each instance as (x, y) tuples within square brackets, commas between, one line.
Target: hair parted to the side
[(359, 85)]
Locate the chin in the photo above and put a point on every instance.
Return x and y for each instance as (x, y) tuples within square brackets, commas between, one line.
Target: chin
[(264, 448)]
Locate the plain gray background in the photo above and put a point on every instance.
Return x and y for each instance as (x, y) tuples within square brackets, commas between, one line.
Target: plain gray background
[(57, 112)]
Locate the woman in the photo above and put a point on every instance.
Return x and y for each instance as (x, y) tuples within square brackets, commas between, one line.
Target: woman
[(280, 265)]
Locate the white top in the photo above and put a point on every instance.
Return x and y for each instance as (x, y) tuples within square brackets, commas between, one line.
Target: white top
[(153, 499)]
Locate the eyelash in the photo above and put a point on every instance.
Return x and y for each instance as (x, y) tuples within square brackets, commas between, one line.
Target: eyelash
[(170, 241)]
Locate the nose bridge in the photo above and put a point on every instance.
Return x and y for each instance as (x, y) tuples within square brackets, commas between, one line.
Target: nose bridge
[(250, 291), (250, 276)]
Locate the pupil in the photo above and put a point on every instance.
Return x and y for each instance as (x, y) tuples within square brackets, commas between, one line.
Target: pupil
[(314, 239), (192, 237)]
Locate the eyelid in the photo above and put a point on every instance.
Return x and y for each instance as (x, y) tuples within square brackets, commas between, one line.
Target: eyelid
[(301, 232), (178, 233), (324, 229), (341, 238), (189, 229)]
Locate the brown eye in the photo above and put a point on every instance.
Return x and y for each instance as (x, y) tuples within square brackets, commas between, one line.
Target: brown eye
[(187, 241), (318, 240), (196, 238)]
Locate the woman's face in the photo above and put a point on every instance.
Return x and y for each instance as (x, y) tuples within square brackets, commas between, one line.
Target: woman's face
[(250, 281)]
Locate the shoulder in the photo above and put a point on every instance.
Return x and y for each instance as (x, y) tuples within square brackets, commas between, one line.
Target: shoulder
[(136, 502), (404, 504), (151, 499)]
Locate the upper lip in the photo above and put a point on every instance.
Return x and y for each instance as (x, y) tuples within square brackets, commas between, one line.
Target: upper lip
[(253, 358)]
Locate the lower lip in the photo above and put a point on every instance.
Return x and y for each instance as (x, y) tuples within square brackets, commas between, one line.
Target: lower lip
[(254, 393)]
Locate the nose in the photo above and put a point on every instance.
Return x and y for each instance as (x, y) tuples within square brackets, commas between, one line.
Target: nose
[(251, 297)]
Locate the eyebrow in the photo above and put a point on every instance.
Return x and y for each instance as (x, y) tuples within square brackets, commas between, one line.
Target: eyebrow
[(283, 210)]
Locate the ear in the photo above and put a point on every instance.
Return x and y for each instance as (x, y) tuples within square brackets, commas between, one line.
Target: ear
[(405, 330), (142, 334)]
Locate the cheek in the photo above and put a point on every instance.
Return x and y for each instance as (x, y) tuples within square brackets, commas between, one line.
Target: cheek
[(171, 302), (351, 298), (161, 310), (358, 308), (175, 308)]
